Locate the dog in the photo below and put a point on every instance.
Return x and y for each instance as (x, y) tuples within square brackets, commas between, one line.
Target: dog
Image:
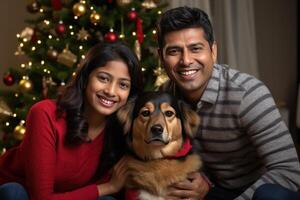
[(158, 130)]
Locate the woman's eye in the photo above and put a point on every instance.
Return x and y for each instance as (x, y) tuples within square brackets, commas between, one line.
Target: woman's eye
[(103, 78), (145, 113), (169, 113), (125, 86)]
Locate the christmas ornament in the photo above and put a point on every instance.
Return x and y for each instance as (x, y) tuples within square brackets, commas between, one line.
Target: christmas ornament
[(27, 33), (83, 35), (137, 49), (8, 79), (4, 109), (33, 7), (79, 9), (132, 15), (52, 54), (19, 132), (46, 83), (56, 4), (161, 76), (149, 4), (19, 51), (60, 28), (123, 2), (110, 36), (139, 30), (95, 18), (25, 84), (66, 57)]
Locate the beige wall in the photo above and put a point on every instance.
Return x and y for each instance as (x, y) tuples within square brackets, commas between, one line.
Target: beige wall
[(276, 29), (12, 14)]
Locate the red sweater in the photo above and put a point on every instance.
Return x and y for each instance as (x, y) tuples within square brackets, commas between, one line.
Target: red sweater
[(45, 166)]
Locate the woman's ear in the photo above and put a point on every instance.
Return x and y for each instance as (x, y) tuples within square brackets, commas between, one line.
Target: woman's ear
[(191, 119), (124, 115)]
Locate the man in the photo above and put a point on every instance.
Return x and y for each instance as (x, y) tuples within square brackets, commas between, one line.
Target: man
[(243, 141)]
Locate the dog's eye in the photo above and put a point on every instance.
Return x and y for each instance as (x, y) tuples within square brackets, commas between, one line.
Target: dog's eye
[(145, 113), (169, 113)]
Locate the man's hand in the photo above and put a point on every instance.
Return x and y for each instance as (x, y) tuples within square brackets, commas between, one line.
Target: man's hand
[(193, 188)]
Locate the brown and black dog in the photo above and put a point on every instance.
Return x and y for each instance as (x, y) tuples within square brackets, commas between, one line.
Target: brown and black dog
[(158, 130)]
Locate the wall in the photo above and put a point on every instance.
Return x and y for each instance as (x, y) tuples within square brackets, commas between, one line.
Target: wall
[(276, 29), (12, 15)]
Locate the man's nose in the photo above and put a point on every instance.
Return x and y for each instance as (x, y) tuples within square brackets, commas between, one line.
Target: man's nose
[(187, 58)]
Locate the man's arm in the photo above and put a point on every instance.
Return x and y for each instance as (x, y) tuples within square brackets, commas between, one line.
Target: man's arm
[(262, 121)]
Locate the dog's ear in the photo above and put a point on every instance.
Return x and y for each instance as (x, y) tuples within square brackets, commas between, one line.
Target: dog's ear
[(191, 119), (124, 115)]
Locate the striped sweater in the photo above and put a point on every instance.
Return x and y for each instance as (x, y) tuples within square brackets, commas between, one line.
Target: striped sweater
[(244, 141)]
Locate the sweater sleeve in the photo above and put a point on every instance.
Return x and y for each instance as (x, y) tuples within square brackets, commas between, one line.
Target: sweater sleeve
[(40, 159), (262, 121)]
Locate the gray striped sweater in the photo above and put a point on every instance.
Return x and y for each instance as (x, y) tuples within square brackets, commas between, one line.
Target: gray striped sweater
[(244, 141)]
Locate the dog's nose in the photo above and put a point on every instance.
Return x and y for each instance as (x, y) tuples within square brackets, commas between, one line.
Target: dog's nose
[(157, 129)]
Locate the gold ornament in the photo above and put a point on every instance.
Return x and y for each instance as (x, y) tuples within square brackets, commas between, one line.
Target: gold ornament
[(19, 132), (4, 109), (27, 33), (25, 84), (137, 49), (149, 4), (66, 57), (52, 54), (83, 35), (161, 76), (79, 9), (95, 18), (123, 2)]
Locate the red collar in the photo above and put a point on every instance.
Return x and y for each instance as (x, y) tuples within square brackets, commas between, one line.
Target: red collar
[(186, 147)]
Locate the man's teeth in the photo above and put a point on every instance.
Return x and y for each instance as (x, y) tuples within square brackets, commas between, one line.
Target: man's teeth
[(186, 73)]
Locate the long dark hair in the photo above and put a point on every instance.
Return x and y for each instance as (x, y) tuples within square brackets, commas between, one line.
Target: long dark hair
[(181, 18), (71, 101)]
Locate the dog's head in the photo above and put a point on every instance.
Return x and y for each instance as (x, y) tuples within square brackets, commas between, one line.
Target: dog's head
[(156, 125)]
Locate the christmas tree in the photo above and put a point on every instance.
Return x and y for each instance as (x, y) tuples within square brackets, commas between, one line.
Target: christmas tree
[(57, 38)]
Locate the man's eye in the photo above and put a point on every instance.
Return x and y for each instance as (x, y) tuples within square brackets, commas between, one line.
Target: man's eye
[(145, 113), (169, 113), (173, 52)]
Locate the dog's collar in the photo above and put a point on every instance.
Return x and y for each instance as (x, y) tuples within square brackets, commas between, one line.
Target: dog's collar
[(186, 148)]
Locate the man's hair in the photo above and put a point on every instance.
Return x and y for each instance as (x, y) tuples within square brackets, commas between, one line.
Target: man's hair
[(181, 18)]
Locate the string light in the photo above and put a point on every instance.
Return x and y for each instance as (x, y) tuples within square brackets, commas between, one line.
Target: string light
[(6, 123)]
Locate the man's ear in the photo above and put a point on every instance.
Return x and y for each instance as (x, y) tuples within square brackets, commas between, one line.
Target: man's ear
[(191, 119), (160, 53), (214, 51), (124, 115)]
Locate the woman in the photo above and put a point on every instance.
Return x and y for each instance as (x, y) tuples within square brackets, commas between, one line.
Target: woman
[(70, 144)]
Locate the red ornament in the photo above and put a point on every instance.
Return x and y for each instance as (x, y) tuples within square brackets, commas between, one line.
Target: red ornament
[(56, 4), (60, 28), (139, 30), (8, 79), (109, 1), (110, 37), (132, 15)]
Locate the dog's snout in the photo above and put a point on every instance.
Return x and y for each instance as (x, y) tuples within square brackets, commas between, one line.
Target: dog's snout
[(157, 129)]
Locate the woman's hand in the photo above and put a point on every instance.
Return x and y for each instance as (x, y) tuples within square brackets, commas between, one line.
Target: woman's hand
[(117, 180), (193, 188)]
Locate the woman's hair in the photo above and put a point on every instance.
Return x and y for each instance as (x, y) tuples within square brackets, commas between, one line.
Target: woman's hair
[(181, 18), (71, 102)]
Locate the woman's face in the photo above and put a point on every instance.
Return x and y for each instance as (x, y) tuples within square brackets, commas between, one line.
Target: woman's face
[(108, 88)]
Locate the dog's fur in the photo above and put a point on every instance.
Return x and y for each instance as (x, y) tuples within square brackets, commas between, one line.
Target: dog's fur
[(156, 126)]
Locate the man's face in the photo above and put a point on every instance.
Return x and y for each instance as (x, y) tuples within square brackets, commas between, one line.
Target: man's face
[(188, 60)]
